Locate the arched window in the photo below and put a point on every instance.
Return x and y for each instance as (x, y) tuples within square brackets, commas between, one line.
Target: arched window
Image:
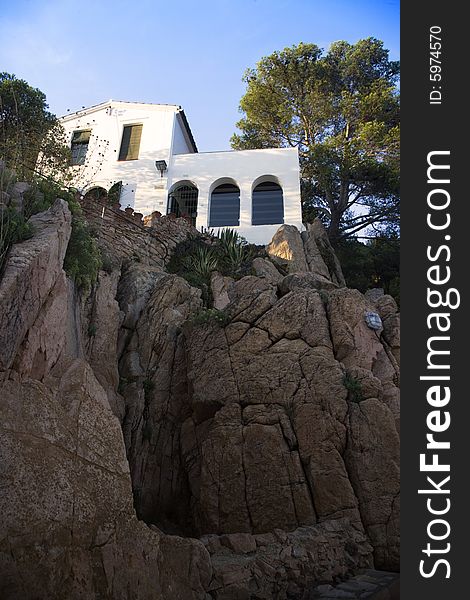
[(96, 193), (267, 204), (182, 201), (225, 206)]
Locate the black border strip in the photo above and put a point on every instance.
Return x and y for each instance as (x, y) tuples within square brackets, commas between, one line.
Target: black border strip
[(426, 128)]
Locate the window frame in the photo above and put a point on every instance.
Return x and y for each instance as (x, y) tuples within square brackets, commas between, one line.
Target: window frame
[(121, 156), (78, 159), (279, 187), (211, 204)]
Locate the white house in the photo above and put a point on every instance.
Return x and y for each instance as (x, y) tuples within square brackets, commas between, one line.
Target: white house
[(145, 155)]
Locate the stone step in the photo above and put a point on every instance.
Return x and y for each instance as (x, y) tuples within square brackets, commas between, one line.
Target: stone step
[(368, 585)]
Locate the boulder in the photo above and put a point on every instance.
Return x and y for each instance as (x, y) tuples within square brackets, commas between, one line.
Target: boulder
[(386, 306), (372, 456), (248, 286), (303, 281), (358, 346), (240, 543), (391, 335), (320, 256), (220, 288), (374, 294), (134, 289), (286, 248), (265, 268)]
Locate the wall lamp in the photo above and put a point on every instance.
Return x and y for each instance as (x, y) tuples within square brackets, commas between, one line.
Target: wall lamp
[(161, 166)]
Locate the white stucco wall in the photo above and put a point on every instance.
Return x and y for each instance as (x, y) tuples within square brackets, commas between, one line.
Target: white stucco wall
[(143, 187), (180, 142), (207, 169)]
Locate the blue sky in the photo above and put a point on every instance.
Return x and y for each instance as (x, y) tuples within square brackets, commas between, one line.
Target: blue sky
[(192, 53)]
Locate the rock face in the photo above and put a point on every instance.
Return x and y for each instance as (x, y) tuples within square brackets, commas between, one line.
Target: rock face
[(271, 437), (155, 389), (68, 527), (283, 565), (35, 265), (294, 441)]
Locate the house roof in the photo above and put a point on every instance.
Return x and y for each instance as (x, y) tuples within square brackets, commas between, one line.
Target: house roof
[(187, 128), (95, 107)]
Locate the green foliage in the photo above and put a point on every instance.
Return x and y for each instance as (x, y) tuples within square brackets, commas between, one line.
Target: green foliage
[(394, 288), (114, 194), (14, 225), (13, 229), (197, 257), (357, 264), (229, 238), (201, 262), (91, 330), (180, 260), (32, 144), (43, 193), (234, 251), (375, 264), (28, 131), (386, 257), (106, 263), (354, 387), (341, 110), (211, 316), (83, 259)]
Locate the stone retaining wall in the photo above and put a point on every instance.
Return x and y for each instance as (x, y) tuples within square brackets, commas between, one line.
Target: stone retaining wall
[(125, 234)]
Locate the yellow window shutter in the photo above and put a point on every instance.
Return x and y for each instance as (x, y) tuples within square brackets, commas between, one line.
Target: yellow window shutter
[(81, 137), (130, 143)]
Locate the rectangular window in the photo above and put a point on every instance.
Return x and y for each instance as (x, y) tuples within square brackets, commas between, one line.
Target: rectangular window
[(80, 141), (130, 142)]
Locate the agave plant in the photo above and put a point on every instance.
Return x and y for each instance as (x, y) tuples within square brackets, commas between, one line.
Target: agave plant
[(234, 249), (202, 262), (208, 232), (229, 238)]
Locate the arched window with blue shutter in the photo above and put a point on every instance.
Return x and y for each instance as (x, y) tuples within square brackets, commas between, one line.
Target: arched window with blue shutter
[(267, 204), (225, 206)]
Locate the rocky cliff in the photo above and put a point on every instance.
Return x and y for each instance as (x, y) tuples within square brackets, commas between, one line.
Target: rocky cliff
[(148, 453)]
